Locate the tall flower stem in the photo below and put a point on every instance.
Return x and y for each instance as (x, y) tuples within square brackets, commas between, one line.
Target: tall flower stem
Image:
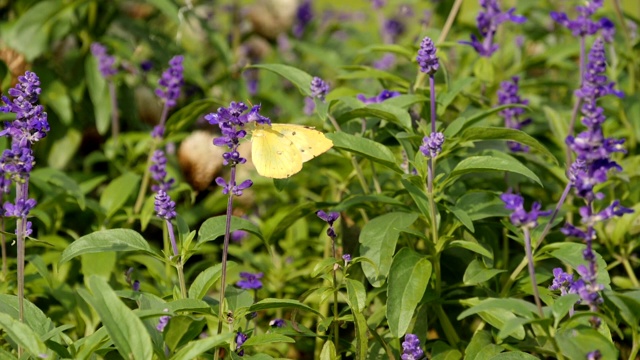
[(225, 250), (179, 266), (532, 270), (115, 121), (545, 231), (336, 325), (22, 192)]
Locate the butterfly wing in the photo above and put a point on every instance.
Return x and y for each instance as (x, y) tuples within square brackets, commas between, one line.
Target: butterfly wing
[(273, 154), (309, 141)]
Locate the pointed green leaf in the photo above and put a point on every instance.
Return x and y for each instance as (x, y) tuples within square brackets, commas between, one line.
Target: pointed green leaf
[(477, 273), (408, 279), (491, 163), (391, 113), (23, 335), (99, 95), (215, 227), (267, 304), (357, 295), (270, 338), (125, 329), (491, 133), (576, 343), (297, 77), (107, 240), (187, 115), (378, 240), (198, 347), (370, 149), (205, 280), (115, 195)]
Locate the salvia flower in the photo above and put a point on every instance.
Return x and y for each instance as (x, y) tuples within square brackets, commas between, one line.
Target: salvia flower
[(377, 4), (432, 144), (411, 349), (329, 218), (386, 62), (392, 29), (488, 21), (508, 95), (250, 281), (165, 208), (583, 24), (106, 63), (277, 323), (384, 95), (346, 258), (319, 88), (158, 170), (594, 355), (427, 58), (171, 81), (562, 281), (520, 217), (163, 322), (241, 338), (304, 15)]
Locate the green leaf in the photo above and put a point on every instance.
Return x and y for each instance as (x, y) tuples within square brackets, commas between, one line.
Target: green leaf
[(408, 279), (442, 351), (31, 33), (23, 335), (388, 48), (125, 329), (462, 123), (418, 193), (383, 111), (483, 69), (198, 347), (562, 305), (205, 280), (491, 163), (367, 201), (491, 133), (472, 246), (477, 273), (62, 181), (576, 343), (64, 149), (362, 338), (628, 306), (299, 78), (267, 304), (480, 339), (187, 116), (462, 216), (366, 72), (445, 99), (356, 295), (106, 240), (328, 351), (378, 240), (99, 94), (370, 149), (482, 204), (116, 194), (498, 312), (169, 9), (514, 355), (215, 227), (33, 316), (55, 95), (270, 338)]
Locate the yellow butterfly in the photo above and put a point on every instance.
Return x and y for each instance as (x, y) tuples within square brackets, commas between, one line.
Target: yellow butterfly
[(279, 150)]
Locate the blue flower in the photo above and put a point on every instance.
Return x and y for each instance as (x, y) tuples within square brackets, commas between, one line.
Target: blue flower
[(488, 21), (171, 81), (304, 15), (427, 58), (432, 144), (411, 349), (384, 95), (507, 95), (250, 281), (520, 217), (106, 63), (165, 208)]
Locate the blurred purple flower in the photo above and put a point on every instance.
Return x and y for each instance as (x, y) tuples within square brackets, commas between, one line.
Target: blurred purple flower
[(329, 218), (432, 144), (508, 95), (239, 235), (158, 170), (392, 29), (171, 81), (277, 323), (319, 88), (309, 106), (163, 322), (386, 62), (346, 258), (165, 208), (377, 4), (304, 15), (146, 65), (488, 21), (411, 349), (136, 285), (106, 63), (561, 281), (384, 95), (594, 355), (520, 217), (240, 339), (250, 281), (427, 58), (583, 24)]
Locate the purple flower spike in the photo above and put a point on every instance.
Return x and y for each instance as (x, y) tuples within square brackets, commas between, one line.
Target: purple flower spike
[(411, 349), (163, 322), (304, 15), (250, 281), (432, 144), (427, 58), (507, 95), (319, 88), (106, 63), (561, 281), (583, 24), (241, 338), (164, 206), (520, 217), (488, 21), (377, 4), (171, 81), (346, 258)]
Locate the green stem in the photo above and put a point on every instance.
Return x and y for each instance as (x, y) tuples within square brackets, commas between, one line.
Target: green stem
[(532, 270), (336, 325), (629, 269), (636, 343), (183, 286)]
